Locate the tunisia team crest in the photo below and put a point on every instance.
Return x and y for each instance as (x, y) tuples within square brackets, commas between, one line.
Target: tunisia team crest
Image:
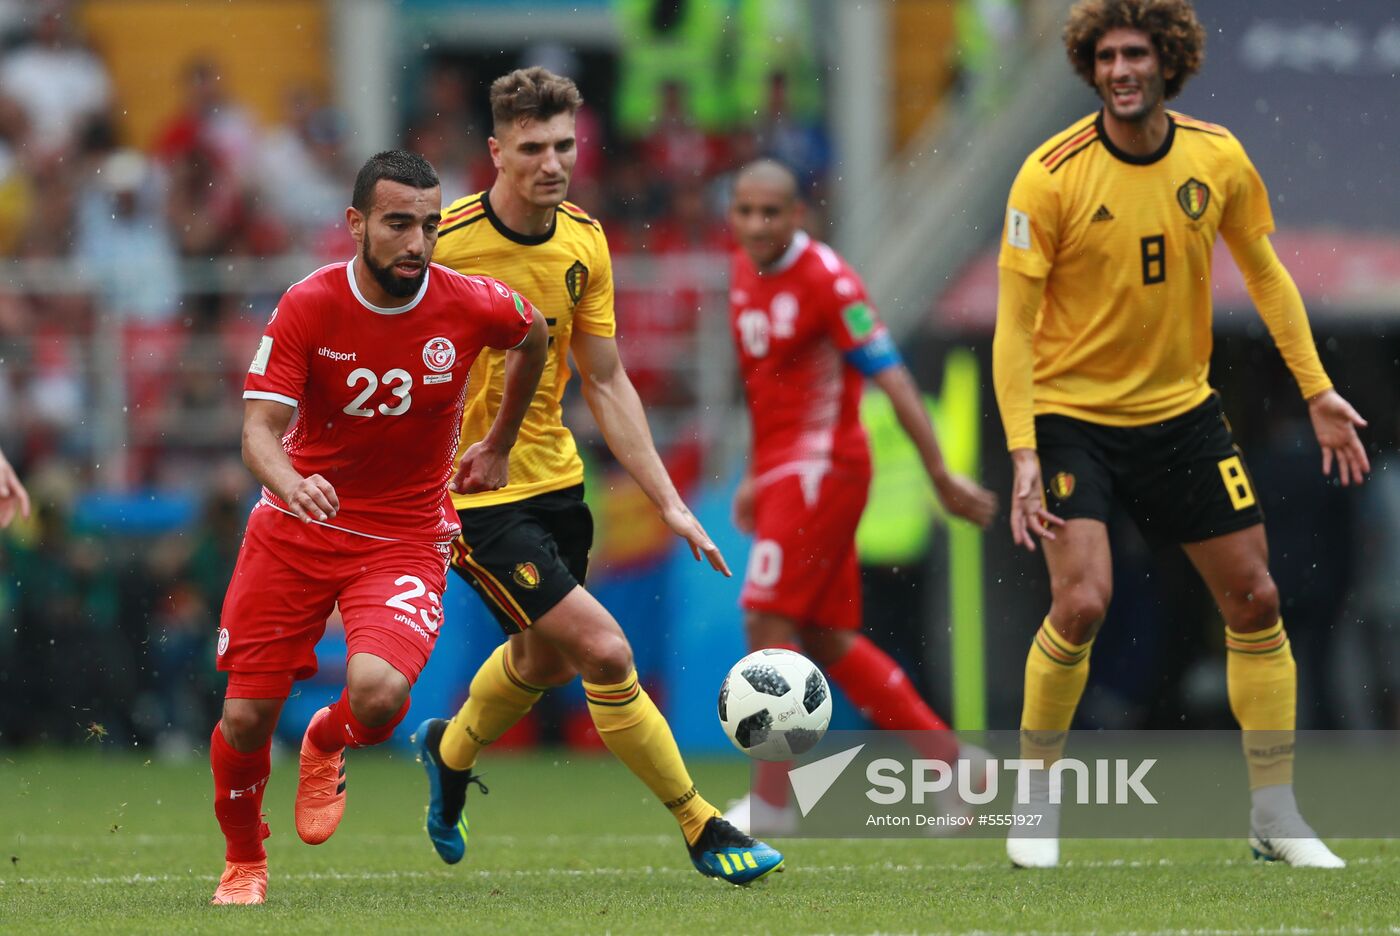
[(439, 355), (1193, 196)]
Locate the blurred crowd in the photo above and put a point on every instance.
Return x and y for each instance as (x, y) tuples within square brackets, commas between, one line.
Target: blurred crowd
[(138, 279), (113, 319)]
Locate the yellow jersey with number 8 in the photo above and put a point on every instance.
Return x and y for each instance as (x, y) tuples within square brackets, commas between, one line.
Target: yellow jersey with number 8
[(1124, 244)]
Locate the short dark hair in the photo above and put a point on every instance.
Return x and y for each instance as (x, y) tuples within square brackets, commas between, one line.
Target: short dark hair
[(1177, 35), (394, 166), (532, 94), (773, 170)]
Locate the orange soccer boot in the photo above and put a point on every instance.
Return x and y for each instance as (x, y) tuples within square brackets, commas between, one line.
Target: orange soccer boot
[(321, 788), (244, 882)]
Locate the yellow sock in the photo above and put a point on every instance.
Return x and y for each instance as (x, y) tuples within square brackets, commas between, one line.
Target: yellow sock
[(636, 732), (497, 699), (1263, 684), (1056, 671)]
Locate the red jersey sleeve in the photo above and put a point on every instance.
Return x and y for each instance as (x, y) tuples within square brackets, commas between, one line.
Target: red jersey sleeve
[(283, 358), (855, 326), (851, 320), (510, 318)]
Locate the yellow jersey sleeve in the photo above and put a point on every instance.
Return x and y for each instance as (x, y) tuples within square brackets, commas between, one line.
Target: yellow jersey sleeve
[(595, 313), (1032, 229), (1247, 214), (1019, 298)]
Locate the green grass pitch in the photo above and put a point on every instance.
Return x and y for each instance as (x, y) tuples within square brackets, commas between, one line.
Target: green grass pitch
[(96, 842)]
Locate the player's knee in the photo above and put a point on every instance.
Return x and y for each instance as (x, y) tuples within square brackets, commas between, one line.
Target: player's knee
[(376, 702), (608, 659), (768, 630), (248, 725), (1253, 608), (1078, 610), (827, 647)]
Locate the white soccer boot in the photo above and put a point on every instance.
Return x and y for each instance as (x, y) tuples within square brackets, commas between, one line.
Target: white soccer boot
[(754, 815), (1298, 852), (1038, 845), (1278, 831)]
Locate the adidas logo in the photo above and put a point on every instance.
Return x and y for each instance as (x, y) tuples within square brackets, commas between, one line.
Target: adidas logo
[(1103, 214)]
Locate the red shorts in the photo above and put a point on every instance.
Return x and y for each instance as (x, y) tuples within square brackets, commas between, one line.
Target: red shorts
[(803, 563), (289, 578)]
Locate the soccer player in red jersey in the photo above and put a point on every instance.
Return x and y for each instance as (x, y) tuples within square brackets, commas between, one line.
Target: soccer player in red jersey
[(372, 355), (807, 338)]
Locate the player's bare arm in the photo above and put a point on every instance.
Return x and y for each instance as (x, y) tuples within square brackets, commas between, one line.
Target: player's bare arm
[(264, 424), (961, 497), (1280, 305), (1018, 299), (13, 497), (618, 410), (485, 465)]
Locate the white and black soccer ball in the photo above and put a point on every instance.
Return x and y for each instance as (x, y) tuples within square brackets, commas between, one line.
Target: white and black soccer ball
[(775, 704)]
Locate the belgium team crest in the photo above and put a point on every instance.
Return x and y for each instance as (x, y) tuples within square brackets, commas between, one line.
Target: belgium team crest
[(1193, 196), (1062, 485), (526, 575), (576, 280)]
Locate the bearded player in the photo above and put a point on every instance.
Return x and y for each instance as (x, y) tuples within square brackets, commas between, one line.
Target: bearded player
[(372, 356), (1101, 360)]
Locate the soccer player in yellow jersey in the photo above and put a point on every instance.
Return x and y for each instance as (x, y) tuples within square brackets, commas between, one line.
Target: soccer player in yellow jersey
[(1100, 361), (524, 548)]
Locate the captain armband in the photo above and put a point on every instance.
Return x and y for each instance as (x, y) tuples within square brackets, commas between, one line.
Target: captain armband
[(876, 355)]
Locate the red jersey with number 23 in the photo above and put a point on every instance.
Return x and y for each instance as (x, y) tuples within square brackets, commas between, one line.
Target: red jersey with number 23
[(379, 392), (793, 325)]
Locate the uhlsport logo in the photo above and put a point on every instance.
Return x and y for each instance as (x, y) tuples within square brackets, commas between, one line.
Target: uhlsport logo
[(223, 640), (439, 355), (527, 575)]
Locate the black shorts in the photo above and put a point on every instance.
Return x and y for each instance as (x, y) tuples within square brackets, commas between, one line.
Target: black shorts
[(522, 558), (1182, 481)]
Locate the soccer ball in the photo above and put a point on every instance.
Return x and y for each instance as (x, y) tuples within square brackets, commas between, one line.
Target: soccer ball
[(774, 705)]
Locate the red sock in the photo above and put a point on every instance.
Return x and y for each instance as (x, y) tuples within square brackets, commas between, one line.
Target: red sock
[(239, 782), (883, 693), (771, 783), (342, 729)]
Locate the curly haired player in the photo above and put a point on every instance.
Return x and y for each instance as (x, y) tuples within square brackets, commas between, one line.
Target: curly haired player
[(1101, 364)]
